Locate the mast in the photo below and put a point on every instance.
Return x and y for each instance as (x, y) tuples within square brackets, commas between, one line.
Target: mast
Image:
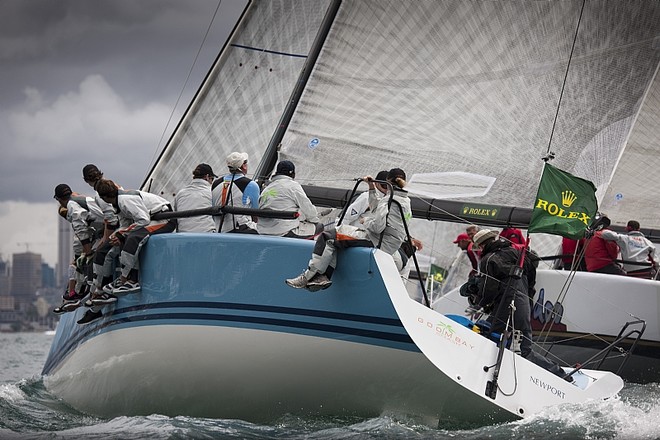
[(269, 158)]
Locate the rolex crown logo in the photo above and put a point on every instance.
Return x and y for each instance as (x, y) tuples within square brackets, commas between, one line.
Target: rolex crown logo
[(568, 198)]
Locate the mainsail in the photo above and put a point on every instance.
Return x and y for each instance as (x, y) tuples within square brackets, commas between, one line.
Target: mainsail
[(440, 86), (242, 98), (474, 86)]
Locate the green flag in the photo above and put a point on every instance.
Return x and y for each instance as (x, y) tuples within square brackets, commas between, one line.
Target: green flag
[(564, 204)]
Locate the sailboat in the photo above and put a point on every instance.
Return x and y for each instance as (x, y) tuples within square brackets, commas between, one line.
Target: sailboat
[(344, 88)]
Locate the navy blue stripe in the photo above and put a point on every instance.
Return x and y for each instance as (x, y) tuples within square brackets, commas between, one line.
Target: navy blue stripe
[(263, 308), (78, 338), (257, 49)]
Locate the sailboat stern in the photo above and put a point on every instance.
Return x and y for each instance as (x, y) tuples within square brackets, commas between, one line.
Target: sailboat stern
[(468, 358)]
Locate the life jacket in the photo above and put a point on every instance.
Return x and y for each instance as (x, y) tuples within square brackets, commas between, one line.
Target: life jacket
[(227, 199), (241, 183)]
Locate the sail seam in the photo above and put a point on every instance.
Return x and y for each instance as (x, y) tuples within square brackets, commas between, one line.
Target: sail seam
[(276, 52)]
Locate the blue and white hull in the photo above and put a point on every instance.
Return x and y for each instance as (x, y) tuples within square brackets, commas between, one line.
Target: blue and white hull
[(215, 332)]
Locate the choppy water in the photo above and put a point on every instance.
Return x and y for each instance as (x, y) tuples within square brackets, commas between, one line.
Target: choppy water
[(28, 411)]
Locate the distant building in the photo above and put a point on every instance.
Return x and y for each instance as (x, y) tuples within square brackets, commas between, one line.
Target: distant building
[(9, 316), (64, 251), (4, 278), (25, 278), (47, 276)]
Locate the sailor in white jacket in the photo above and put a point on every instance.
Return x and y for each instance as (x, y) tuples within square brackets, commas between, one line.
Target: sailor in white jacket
[(86, 219), (85, 216), (135, 209), (196, 195), (384, 228), (635, 248), (360, 206), (106, 254), (285, 194)]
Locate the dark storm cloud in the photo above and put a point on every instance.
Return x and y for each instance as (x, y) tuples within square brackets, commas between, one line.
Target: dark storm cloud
[(95, 82)]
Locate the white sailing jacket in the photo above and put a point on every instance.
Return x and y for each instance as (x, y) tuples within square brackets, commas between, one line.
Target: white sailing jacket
[(358, 209), (109, 214), (285, 194), (389, 222), (196, 195), (634, 247), (85, 216), (137, 207)]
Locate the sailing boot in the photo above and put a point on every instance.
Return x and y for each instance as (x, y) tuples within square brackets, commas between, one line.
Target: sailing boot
[(300, 282), (318, 282)]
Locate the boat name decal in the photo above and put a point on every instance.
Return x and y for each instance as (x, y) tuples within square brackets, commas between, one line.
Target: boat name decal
[(554, 210), (446, 332), (546, 386)]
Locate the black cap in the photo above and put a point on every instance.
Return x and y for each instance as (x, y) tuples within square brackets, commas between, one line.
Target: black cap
[(396, 172), (382, 176), (90, 171), (285, 167), (62, 191), (202, 170)]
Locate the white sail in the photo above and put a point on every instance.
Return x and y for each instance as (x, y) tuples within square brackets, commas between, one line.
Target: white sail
[(244, 95), (633, 191), (438, 86)]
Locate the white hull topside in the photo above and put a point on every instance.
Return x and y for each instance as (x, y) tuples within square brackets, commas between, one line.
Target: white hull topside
[(256, 375)]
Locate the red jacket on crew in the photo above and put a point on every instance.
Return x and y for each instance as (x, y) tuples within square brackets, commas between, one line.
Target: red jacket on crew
[(599, 252)]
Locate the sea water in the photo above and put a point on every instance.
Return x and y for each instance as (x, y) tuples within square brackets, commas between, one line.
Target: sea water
[(28, 411)]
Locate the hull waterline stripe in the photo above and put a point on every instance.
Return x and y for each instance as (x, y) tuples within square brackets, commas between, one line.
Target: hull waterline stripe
[(206, 317), (263, 308)]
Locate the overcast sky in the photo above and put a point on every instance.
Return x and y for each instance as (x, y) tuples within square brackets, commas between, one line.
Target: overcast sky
[(91, 82)]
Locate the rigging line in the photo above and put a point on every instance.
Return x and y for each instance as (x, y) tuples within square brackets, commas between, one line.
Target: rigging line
[(185, 83), (568, 65), (547, 326), (434, 208)]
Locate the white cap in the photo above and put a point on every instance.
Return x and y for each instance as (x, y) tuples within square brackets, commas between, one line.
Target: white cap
[(235, 160), (483, 235)]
